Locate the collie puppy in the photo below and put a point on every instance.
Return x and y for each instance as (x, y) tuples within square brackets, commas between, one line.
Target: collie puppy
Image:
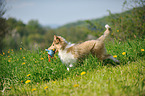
[(71, 53)]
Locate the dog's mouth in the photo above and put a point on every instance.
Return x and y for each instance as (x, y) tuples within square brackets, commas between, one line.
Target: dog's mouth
[(51, 48), (56, 50)]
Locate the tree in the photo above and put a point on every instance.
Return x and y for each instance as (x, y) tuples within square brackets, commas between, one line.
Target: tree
[(2, 23)]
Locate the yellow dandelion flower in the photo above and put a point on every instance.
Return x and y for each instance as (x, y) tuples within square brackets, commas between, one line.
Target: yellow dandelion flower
[(11, 49), (23, 63), (3, 53), (23, 57), (76, 85), (83, 73), (8, 51), (28, 75), (35, 61), (142, 50), (46, 87), (28, 81), (117, 30), (115, 56), (42, 58), (123, 53), (33, 89), (9, 60), (20, 48), (54, 81), (8, 56), (10, 87)]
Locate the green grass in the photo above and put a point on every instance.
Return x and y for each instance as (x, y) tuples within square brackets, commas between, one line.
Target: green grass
[(101, 78)]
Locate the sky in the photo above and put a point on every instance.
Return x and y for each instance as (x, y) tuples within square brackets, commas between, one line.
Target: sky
[(60, 12)]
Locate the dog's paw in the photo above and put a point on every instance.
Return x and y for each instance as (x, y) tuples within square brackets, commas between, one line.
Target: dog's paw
[(70, 65), (67, 69)]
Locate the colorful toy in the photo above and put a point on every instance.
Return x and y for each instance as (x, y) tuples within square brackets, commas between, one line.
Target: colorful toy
[(50, 53)]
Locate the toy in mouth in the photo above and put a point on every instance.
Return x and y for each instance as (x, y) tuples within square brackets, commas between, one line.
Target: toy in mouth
[(50, 52)]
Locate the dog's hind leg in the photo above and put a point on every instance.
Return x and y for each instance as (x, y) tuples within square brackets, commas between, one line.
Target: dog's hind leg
[(112, 58)]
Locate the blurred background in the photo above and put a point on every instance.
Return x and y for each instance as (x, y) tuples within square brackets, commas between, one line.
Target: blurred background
[(31, 24)]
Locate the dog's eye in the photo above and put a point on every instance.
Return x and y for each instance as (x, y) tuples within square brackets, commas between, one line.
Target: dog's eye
[(57, 41)]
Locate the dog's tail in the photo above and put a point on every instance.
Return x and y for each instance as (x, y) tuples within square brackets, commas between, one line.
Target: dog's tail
[(106, 33)]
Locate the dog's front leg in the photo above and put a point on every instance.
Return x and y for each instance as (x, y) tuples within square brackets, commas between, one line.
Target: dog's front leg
[(71, 65)]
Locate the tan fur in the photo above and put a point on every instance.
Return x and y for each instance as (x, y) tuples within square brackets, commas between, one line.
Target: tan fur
[(80, 51)]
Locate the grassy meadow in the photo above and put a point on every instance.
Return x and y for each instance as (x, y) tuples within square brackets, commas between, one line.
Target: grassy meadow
[(26, 73), (25, 70)]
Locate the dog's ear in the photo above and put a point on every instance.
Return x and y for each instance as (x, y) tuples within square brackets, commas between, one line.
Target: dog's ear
[(56, 39)]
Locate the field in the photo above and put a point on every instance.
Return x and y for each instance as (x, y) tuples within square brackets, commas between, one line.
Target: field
[(26, 72)]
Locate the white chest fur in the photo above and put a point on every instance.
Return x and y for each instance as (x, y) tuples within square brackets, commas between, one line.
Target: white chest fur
[(67, 58)]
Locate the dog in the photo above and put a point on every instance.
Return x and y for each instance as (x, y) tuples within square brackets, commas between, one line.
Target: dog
[(71, 53)]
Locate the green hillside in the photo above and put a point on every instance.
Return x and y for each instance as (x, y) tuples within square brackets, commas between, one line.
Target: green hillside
[(103, 20), (129, 24)]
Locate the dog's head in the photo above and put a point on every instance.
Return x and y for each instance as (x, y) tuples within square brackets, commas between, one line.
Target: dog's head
[(59, 43)]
